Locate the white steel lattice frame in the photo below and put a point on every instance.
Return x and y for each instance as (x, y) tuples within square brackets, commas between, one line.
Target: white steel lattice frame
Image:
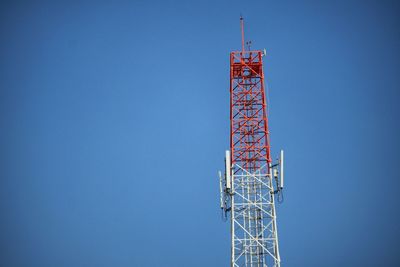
[(253, 219)]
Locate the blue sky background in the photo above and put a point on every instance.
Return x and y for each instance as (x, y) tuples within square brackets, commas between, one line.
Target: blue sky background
[(114, 118)]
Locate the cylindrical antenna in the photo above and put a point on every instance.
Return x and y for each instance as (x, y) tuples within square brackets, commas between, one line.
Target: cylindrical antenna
[(242, 28), (281, 165), (221, 191)]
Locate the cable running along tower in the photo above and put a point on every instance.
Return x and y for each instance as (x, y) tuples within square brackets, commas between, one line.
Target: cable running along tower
[(251, 181)]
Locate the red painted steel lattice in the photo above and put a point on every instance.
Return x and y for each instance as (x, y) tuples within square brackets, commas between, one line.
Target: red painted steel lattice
[(249, 123)]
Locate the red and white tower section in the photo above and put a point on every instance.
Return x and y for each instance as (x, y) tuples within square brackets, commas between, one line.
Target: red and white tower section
[(252, 181)]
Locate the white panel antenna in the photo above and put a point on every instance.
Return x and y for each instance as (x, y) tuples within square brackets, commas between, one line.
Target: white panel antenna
[(228, 168)]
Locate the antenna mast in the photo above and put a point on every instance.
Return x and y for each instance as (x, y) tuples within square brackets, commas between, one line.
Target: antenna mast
[(251, 179), (242, 30)]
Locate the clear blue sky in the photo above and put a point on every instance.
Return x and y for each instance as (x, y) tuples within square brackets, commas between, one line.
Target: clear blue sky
[(114, 119)]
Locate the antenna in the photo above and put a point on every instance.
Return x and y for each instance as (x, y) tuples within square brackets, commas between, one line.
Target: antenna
[(221, 190), (228, 169), (242, 29), (248, 43), (281, 165)]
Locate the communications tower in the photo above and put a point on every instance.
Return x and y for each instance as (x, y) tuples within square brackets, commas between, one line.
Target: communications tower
[(252, 181)]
